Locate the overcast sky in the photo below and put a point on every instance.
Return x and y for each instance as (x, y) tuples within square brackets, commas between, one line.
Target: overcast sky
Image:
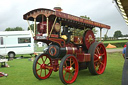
[(103, 11)]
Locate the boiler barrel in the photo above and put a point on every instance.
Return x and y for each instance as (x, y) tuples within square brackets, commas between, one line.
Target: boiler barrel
[(55, 51), (71, 50)]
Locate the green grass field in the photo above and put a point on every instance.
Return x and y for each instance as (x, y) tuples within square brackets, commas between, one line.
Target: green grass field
[(115, 41), (20, 73)]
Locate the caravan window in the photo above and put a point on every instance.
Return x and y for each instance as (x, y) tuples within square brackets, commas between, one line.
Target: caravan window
[(24, 40), (1, 40)]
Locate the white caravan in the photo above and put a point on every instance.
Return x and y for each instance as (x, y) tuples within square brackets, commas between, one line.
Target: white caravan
[(16, 42)]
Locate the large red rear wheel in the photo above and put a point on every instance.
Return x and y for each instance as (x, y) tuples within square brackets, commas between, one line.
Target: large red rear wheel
[(98, 61), (68, 69), (40, 66)]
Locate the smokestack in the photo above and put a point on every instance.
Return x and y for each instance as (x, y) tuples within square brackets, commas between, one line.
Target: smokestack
[(58, 9)]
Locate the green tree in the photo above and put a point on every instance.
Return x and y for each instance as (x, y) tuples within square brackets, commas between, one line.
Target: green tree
[(14, 29), (32, 27), (9, 29), (94, 30), (105, 37), (18, 29), (117, 34), (85, 17), (88, 18)]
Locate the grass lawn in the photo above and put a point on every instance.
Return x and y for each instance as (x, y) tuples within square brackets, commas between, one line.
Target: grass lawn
[(115, 41), (20, 73)]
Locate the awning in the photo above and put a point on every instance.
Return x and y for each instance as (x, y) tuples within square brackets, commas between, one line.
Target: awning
[(123, 6), (36, 14)]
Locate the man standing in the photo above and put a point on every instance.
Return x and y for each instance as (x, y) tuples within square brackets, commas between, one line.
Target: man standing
[(124, 51)]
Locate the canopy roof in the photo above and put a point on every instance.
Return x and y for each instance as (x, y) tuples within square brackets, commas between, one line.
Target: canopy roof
[(124, 3), (123, 6), (63, 16)]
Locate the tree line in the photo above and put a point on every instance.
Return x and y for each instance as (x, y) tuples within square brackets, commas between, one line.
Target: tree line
[(14, 29)]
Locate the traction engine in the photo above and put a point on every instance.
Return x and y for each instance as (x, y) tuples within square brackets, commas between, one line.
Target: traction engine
[(71, 45)]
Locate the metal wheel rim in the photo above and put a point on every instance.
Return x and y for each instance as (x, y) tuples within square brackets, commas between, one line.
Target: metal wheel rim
[(11, 55), (40, 70), (72, 75)]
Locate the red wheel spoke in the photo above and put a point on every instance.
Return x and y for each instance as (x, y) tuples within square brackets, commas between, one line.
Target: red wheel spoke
[(96, 55), (70, 61), (102, 63), (45, 71), (45, 59), (96, 66), (38, 69), (95, 61), (100, 48), (65, 74), (40, 72), (102, 54), (98, 51), (69, 76), (38, 63), (66, 63)]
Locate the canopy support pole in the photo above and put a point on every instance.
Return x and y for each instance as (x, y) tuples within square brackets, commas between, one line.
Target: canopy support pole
[(60, 28), (100, 34), (53, 26), (30, 28), (47, 26), (34, 26)]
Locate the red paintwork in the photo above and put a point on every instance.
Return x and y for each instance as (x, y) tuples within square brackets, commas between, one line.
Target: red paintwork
[(82, 57), (54, 35), (71, 50), (78, 40), (89, 38), (55, 64), (58, 41), (42, 26)]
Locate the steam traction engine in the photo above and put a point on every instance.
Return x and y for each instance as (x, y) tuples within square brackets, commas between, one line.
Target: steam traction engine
[(66, 52)]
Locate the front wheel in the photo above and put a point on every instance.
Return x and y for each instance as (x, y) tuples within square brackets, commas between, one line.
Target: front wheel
[(68, 69), (11, 54), (98, 61), (40, 66)]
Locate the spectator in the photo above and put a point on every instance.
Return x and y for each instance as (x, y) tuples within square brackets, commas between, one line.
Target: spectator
[(124, 51)]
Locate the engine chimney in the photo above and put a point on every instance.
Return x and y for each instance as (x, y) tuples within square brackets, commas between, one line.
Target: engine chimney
[(58, 9)]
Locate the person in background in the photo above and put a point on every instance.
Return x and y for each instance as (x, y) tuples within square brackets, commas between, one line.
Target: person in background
[(124, 51)]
